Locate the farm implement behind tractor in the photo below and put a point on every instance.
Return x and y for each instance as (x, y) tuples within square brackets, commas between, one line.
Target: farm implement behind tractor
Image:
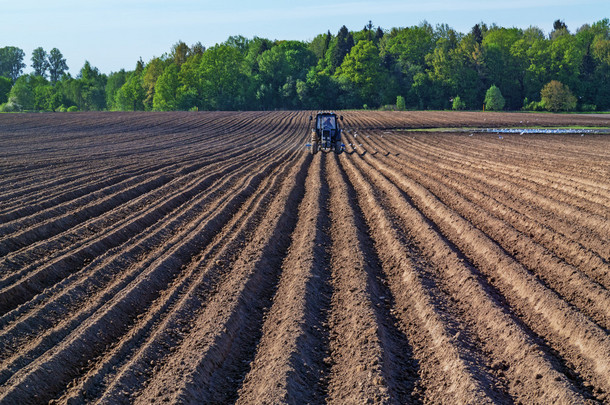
[(326, 133)]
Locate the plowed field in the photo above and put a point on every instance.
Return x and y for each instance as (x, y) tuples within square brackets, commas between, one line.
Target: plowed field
[(209, 258)]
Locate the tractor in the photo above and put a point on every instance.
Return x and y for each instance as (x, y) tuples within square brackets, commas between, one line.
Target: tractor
[(326, 133)]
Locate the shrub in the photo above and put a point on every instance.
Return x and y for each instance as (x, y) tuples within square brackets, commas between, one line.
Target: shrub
[(72, 108), (588, 107), (534, 106), (10, 106), (557, 96), (401, 105), (458, 104), (494, 100)]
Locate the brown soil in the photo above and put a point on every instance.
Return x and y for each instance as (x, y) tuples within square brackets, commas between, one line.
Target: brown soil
[(209, 258)]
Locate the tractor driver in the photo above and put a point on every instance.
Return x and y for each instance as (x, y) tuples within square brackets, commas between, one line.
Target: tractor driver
[(328, 123)]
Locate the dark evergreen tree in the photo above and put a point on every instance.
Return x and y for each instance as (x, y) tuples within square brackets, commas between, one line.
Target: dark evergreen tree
[(477, 35), (345, 42), (559, 25), (327, 40), (559, 28), (369, 30), (378, 34), (197, 49)]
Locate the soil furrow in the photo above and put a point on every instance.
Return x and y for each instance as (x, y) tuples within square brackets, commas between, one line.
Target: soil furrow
[(212, 357), (569, 329), (136, 358), (566, 280), (293, 353), (528, 363), (190, 257), (113, 318)]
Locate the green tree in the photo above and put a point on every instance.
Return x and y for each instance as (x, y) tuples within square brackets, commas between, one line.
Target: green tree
[(92, 88), (319, 45), (494, 101), (318, 91), (57, 65), (501, 66), (167, 89), (130, 97), (11, 62), (409, 46), (238, 42), (22, 92), (115, 81), (559, 29), (197, 49), (151, 73), (40, 64), (556, 96), (444, 70), (361, 69), (180, 52), (190, 83), (46, 96), (5, 87), (279, 69), (600, 50), (223, 81), (477, 34), (530, 53)]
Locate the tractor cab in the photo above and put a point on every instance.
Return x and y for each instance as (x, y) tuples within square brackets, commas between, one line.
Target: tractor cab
[(326, 133)]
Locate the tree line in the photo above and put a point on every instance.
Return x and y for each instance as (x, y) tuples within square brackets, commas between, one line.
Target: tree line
[(417, 67)]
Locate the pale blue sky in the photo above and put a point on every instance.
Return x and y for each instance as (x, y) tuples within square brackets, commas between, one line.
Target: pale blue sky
[(113, 34)]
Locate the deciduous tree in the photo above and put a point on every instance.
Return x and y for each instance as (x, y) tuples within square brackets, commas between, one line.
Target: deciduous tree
[(361, 68), (40, 64), (556, 96), (11, 62), (57, 65), (167, 89)]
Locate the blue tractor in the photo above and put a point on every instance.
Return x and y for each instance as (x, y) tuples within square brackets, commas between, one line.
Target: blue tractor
[(326, 133)]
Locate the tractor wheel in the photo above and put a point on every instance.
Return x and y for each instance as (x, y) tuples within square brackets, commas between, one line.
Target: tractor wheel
[(314, 148), (338, 147)]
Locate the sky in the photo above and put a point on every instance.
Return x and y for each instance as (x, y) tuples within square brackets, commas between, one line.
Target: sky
[(114, 34)]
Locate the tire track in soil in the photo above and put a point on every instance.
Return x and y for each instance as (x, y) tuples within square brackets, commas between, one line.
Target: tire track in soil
[(370, 357), (355, 345)]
